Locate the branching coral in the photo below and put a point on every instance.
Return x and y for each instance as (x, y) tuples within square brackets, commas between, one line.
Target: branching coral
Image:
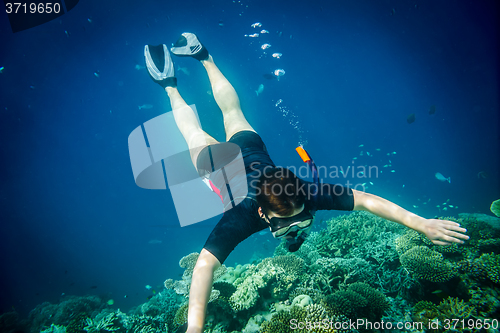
[(62, 314), (106, 323), (183, 286)]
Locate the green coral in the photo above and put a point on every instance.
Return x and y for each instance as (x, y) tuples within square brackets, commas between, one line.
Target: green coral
[(453, 307), (107, 322), (62, 314), (495, 207), (278, 273), (54, 329), (426, 264), (425, 312), (358, 230), (312, 318), (409, 239), (359, 300), (280, 321), (181, 315), (491, 264), (377, 302), (449, 308), (225, 289), (347, 303)]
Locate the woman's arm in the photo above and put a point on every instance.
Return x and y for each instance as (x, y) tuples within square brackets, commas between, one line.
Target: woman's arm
[(440, 232), (201, 286)]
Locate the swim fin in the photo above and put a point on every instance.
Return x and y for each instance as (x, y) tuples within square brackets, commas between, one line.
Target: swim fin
[(160, 66), (188, 45)]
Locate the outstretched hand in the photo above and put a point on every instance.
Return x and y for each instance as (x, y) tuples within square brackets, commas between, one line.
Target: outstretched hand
[(443, 232)]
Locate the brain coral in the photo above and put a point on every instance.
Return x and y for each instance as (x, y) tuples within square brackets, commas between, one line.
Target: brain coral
[(426, 264)]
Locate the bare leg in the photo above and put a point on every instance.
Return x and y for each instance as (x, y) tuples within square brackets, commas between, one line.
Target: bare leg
[(188, 124), (227, 99)]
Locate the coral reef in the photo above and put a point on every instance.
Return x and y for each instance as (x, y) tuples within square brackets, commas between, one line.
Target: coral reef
[(427, 264), (360, 267)]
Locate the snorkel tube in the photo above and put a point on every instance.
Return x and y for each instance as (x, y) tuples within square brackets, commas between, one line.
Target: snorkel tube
[(308, 159), (294, 244)]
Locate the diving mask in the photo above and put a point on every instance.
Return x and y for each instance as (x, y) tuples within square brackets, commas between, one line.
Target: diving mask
[(284, 226)]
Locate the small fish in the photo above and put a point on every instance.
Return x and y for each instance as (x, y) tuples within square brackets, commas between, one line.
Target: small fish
[(445, 208), (361, 146), (411, 118), (110, 302), (277, 55), (221, 23), (145, 106), (96, 73), (437, 292), (451, 206), (265, 46), (378, 149), (1, 68), (257, 25), (67, 33), (432, 109), (393, 170), (183, 69), (368, 154), (403, 185), (361, 153), (139, 67), (371, 183), (387, 165), (415, 206), (393, 153), (89, 20), (442, 178), (148, 287), (264, 31), (354, 158), (260, 89), (279, 72), (480, 175)]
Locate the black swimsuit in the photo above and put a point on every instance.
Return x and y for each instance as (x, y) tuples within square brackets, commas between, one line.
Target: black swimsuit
[(242, 220)]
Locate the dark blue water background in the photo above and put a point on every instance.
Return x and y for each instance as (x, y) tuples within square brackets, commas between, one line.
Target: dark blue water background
[(72, 219)]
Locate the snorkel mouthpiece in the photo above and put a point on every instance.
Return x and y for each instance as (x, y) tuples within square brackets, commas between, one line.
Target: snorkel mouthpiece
[(293, 244)]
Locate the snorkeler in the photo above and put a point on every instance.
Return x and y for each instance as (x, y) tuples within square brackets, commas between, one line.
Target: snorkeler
[(277, 199)]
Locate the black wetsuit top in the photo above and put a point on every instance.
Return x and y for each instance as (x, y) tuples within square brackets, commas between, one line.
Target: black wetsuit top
[(242, 221)]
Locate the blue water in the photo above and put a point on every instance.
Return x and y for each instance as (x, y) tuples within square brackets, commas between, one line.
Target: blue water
[(72, 219)]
